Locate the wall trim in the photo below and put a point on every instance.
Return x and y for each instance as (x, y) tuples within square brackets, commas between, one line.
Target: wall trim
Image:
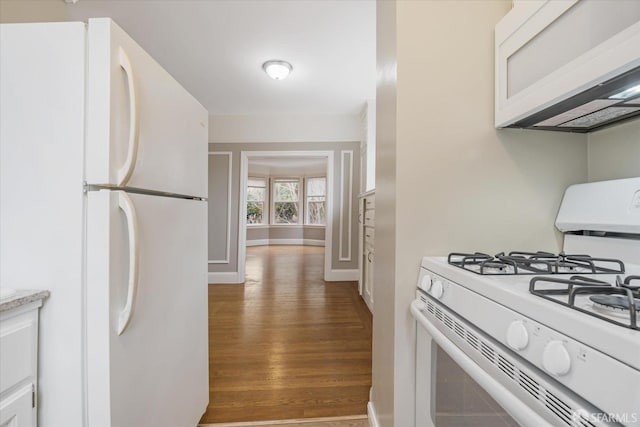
[(302, 242), (224, 277), (350, 275), (227, 248), (349, 210), (371, 415)]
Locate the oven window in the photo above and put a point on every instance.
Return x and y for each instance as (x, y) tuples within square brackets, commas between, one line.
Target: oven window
[(460, 401)]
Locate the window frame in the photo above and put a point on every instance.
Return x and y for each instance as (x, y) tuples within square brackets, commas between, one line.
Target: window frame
[(306, 200), (300, 181), (265, 210)]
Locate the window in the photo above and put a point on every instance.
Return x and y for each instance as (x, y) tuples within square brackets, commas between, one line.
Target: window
[(316, 201), (286, 201), (256, 201)]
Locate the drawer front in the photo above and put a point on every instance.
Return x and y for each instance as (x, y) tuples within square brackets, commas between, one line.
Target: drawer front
[(369, 203), (369, 236), (18, 344), (369, 218)]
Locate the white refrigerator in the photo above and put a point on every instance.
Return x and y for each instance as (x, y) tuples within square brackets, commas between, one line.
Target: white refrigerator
[(103, 186)]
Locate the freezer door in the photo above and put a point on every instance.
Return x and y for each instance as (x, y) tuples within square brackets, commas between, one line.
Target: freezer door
[(146, 365), (144, 129)]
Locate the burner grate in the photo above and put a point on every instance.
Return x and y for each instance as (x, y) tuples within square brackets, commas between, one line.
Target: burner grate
[(595, 290), (519, 262)]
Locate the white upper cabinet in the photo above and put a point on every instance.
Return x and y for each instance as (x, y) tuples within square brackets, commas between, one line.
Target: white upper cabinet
[(144, 129), (550, 51)]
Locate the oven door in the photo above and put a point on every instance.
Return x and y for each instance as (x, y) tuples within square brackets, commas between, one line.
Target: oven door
[(453, 390)]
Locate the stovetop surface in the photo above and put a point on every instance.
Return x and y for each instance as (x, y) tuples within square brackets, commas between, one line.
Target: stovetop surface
[(533, 263), (513, 291)]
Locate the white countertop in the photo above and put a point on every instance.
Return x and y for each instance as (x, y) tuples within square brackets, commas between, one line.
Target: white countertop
[(22, 297)]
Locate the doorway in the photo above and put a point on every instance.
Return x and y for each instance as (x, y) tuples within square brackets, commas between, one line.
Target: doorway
[(281, 162)]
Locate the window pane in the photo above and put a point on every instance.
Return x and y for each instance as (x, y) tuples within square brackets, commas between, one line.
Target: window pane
[(316, 212), (286, 191), (255, 212), (256, 194), (286, 213), (315, 198), (316, 186)]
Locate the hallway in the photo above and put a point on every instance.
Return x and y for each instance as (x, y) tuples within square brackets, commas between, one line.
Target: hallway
[(286, 344)]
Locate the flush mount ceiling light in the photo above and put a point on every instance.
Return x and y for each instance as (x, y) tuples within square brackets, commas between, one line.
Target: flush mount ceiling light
[(276, 69)]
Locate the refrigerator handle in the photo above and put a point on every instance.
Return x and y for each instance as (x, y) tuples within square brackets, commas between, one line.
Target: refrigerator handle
[(127, 207), (125, 172)]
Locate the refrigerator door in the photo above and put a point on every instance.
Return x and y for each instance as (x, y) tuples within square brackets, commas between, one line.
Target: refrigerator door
[(144, 129), (147, 339)]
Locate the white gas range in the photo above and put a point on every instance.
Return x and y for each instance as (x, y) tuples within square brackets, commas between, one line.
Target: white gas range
[(537, 339)]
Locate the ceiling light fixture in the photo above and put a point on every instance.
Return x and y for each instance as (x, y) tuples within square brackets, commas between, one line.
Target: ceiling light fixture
[(277, 69)]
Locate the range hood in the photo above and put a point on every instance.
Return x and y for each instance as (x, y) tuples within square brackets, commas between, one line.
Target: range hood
[(608, 103), (571, 66)]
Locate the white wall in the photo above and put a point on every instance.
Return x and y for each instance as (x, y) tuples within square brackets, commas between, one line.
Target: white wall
[(436, 146), (615, 152), (284, 128), (33, 11)]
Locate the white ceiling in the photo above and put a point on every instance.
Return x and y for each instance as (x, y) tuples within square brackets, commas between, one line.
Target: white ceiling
[(215, 48)]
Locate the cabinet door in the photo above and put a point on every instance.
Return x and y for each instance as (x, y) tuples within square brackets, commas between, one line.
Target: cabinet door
[(144, 129), (17, 409), (368, 283)]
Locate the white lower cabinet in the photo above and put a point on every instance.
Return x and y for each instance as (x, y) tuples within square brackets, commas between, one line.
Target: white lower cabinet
[(18, 365), (18, 409), (367, 252)]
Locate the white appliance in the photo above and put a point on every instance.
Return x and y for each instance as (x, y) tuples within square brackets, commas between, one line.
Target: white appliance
[(103, 186), (537, 339), (567, 65)]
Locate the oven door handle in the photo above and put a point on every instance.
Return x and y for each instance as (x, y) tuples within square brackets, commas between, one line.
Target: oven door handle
[(523, 414)]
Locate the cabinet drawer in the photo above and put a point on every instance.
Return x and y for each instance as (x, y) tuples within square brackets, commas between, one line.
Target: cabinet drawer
[(17, 408), (18, 341), (369, 218), (369, 235), (369, 203)]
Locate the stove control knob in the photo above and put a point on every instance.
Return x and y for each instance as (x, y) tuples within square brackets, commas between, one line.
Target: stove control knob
[(517, 335), (556, 359), (425, 283), (437, 289)]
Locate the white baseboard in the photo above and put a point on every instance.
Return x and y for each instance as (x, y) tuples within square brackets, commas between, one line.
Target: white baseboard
[(371, 415), (333, 276), (299, 422), (342, 275), (303, 242), (223, 278)]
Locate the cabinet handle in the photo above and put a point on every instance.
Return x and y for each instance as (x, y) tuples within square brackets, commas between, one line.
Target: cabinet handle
[(369, 257), (125, 172), (127, 207)]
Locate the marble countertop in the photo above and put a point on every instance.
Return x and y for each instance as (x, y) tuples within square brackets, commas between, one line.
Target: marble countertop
[(22, 297)]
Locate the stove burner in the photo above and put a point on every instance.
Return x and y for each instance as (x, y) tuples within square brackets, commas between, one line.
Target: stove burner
[(616, 302), (518, 262), (619, 300)]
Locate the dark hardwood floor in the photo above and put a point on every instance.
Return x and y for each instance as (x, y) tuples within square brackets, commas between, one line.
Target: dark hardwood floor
[(286, 344)]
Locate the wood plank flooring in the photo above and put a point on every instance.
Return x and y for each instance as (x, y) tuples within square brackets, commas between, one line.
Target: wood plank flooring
[(286, 344)]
